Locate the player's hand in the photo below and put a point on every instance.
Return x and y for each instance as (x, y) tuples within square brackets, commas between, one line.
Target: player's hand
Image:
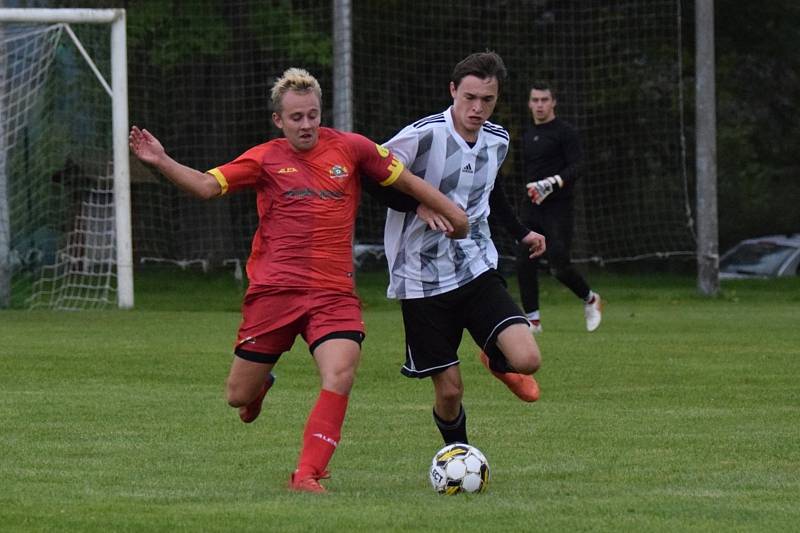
[(145, 146), (536, 244), (434, 220), (539, 190), (460, 225)]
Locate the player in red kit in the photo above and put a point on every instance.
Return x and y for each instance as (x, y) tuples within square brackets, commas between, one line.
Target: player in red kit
[(300, 269)]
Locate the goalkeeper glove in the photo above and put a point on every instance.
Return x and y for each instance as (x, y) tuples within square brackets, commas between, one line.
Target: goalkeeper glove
[(539, 190)]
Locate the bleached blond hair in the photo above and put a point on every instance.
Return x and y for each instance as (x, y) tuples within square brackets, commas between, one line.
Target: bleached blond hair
[(294, 79)]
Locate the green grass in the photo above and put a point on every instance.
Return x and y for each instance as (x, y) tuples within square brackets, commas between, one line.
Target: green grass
[(681, 413)]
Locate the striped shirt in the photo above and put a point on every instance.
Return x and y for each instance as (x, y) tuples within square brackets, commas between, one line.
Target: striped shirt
[(423, 262)]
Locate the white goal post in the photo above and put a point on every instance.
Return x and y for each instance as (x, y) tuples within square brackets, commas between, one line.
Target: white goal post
[(118, 92)]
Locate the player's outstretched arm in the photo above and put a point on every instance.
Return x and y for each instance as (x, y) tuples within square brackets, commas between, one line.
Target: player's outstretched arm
[(149, 150), (434, 200)]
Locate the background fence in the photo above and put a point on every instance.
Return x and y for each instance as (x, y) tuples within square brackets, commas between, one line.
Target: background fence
[(200, 73)]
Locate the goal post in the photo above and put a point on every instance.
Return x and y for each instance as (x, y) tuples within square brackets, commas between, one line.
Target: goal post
[(119, 208)]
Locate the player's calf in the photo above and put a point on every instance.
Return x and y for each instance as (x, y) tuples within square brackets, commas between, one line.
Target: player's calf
[(248, 413)]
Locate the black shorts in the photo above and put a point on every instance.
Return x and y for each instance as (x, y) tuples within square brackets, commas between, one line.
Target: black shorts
[(434, 325)]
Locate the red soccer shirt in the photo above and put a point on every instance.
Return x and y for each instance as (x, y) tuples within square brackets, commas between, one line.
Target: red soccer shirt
[(307, 204)]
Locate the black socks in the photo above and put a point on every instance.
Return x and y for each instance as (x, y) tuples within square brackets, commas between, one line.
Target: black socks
[(453, 430)]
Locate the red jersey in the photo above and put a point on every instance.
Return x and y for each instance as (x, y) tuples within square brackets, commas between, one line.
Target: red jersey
[(307, 205)]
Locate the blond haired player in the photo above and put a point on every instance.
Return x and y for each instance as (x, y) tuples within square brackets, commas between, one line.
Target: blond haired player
[(300, 269)]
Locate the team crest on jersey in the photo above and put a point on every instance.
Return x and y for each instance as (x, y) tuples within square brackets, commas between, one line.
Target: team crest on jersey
[(338, 172), (382, 151)]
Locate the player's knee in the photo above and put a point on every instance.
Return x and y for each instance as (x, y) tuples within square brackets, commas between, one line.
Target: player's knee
[(237, 395), (528, 362), (450, 393), (234, 396), (339, 381)]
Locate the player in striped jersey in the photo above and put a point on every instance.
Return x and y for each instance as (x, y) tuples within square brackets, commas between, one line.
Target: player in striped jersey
[(446, 286), (300, 269)]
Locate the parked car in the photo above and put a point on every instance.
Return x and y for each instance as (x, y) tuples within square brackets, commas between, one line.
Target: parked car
[(762, 257)]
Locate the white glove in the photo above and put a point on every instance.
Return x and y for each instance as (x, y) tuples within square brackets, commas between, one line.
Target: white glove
[(539, 190)]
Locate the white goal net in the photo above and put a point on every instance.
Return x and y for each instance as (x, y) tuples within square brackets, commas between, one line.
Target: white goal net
[(58, 228)]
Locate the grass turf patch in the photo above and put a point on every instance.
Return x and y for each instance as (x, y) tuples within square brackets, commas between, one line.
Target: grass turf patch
[(679, 413)]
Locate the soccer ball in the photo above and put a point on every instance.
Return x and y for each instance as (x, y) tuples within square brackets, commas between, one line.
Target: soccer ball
[(459, 468)]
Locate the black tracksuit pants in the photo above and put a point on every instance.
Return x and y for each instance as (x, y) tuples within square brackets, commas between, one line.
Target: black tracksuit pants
[(554, 220)]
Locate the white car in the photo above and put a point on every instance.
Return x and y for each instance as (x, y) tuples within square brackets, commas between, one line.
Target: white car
[(770, 256)]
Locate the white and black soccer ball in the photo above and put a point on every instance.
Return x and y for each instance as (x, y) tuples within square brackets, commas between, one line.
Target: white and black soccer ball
[(459, 468)]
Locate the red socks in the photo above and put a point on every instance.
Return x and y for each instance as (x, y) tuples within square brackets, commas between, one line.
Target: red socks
[(322, 433)]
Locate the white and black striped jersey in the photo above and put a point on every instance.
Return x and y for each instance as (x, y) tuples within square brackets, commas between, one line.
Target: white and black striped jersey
[(423, 262)]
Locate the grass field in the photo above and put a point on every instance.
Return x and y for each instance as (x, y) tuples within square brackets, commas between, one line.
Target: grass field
[(680, 413)]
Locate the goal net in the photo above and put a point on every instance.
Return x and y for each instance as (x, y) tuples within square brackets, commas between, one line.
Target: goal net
[(201, 71), (616, 70), (58, 238)]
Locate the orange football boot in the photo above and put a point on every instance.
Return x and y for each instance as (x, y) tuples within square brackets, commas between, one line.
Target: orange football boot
[(307, 483), (524, 386)]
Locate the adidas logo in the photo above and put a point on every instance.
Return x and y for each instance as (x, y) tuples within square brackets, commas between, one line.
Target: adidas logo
[(467, 168)]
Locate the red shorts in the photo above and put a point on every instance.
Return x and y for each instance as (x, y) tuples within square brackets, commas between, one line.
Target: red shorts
[(273, 317)]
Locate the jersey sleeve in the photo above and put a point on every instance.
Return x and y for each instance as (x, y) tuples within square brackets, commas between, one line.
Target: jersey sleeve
[(242, 172), (389, 196), (502, 211), (404, 145), (374, 160), (573, 156)]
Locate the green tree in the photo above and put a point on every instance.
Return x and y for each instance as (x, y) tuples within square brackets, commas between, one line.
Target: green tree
[(758, 87)]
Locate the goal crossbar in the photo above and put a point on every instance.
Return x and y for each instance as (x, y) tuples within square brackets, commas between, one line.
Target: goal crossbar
[(85, 16), (119, 94)]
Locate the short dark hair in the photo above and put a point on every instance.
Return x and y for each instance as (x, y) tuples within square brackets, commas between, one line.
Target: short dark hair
[(482, 65), (542, 85)]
